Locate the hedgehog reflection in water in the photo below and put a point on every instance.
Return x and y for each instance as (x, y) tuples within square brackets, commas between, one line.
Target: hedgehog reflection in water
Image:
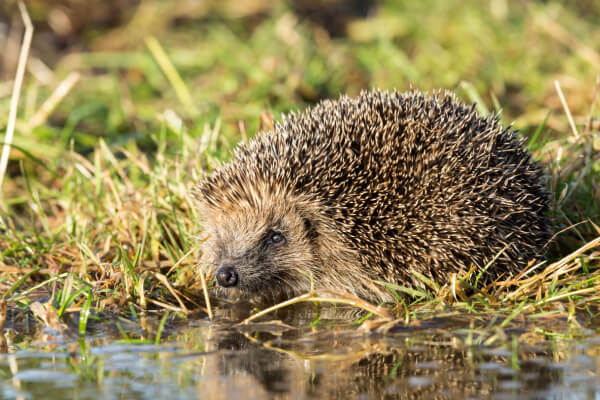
[(372, 188)]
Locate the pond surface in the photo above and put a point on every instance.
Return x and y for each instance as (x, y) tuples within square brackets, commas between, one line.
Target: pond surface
[(452, 356)]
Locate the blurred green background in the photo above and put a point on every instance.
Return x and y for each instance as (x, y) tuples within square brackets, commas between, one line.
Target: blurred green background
[(239, 59)]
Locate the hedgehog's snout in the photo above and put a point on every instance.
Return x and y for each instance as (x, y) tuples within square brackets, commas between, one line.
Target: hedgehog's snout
[(227, 276)]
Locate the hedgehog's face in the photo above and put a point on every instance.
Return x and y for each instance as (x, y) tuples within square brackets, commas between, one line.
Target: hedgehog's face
[(265, 252)]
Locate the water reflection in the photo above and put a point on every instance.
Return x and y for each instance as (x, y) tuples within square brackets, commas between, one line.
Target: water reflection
[(199, 359)]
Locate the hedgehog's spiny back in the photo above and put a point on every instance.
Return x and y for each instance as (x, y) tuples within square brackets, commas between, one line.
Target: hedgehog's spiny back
[(413, 182)]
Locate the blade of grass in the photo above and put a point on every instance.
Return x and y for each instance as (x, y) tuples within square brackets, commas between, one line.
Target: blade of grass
[(70, 299), (161, 326), (170, 71), (37, 160), (566, 108), (85, 313), (411, 292), (534, 138), (475, 97), (19, 283)]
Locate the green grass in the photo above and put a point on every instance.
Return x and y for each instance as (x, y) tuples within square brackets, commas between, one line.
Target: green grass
[(96, 215)]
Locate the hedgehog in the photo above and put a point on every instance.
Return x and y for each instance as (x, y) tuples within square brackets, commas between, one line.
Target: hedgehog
[(384, 187)]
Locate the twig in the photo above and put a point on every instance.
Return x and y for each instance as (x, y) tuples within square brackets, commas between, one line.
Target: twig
[(205, 291), (180, 261), (167, 306), (165, 282), (14, 102), (314, 296)]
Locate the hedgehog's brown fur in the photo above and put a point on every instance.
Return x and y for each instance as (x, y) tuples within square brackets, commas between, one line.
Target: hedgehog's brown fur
[(374, 188)]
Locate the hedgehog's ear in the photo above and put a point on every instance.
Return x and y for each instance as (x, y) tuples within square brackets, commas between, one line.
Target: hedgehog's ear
[(310, 217), (309, 227), (307, 224)]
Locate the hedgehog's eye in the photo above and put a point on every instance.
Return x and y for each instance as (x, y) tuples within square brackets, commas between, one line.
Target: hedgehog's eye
[(274, 238)]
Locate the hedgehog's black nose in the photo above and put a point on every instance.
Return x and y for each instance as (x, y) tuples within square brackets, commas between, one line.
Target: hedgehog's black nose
[(227, 276)]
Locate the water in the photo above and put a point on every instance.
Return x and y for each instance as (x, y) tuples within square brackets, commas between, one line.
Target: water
[(455, 356)]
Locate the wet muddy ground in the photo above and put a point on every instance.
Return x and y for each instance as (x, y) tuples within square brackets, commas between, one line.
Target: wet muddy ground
[(306, 353)]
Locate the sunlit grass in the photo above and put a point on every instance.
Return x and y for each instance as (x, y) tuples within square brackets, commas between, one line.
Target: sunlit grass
[(97, 216)]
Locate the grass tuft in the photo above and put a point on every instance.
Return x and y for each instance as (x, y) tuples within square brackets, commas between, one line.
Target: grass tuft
[(97, 215)]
